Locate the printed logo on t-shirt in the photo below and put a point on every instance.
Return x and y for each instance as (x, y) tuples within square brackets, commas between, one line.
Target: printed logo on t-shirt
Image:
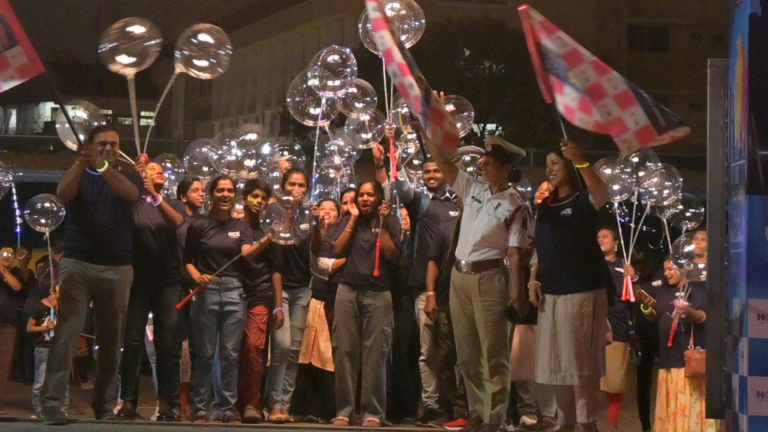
[(304, 226), (566, 212), (657, 283), (453, 213), (619, 269), (234, 234)]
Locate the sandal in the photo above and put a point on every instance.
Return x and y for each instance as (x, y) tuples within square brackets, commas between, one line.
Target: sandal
[(276, 416), (340, 421), (371, 422)]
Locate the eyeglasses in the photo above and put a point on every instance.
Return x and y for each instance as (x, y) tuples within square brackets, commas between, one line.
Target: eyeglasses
[(7, 254)]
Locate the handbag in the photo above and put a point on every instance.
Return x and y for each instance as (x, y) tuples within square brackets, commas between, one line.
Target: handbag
[(695, 360)]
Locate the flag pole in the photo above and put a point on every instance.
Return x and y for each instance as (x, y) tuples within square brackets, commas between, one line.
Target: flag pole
[(60, 103)]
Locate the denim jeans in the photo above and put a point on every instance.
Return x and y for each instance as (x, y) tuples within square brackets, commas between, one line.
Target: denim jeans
[(148, 296), (218, 319), (286, 345), (41, 360)]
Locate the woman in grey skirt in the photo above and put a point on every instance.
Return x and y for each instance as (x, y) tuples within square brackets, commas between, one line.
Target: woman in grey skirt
[(571, 295)]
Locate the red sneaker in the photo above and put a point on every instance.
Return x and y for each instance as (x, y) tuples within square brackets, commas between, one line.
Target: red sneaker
[(455, 425)]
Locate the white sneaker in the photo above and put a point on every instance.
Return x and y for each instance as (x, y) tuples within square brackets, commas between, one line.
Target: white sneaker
[(529, 420)]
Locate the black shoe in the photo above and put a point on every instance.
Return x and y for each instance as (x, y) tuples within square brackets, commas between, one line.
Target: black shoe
[(429, 415), (53, 416), (168, 415), (123, 414), (107, 415)]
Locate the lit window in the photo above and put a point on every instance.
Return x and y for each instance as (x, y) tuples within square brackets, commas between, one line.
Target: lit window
[(105, 111), (147, 113), (125, 120), (146, 122)]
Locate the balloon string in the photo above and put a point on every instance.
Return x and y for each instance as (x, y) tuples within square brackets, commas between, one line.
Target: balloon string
[(126, 158), (384, 77), (134, 112), (50, 272), (637, 233), (392, 96), (632, 231), (314, 156), (157, 109), (666, 230), (618, 223)]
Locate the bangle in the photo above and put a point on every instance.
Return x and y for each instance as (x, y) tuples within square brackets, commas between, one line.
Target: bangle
[(104, 168), (348, 230), (278, 309), (536, 282), (584, 165), (644, 310), (430, 293), (159, 200), (379, 166)]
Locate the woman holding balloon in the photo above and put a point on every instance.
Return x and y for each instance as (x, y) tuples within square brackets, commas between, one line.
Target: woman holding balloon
[(362, 328)]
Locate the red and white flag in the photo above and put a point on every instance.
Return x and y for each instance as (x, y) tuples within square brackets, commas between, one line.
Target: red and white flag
[(410, 83), (18, 59), (591, 95)]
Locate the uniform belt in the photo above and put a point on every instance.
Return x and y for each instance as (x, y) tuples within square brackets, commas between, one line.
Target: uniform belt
[(475, 267)]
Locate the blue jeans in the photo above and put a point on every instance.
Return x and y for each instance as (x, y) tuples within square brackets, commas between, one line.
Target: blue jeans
[(286, 346), (218, 320), (41, 360)]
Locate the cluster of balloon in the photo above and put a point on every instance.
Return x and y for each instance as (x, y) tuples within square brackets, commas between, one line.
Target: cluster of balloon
[(6, 179), (642, 178), (408, 19)]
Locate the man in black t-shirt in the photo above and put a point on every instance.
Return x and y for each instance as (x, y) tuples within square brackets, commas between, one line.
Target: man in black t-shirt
[(98, 240), (10, 285)]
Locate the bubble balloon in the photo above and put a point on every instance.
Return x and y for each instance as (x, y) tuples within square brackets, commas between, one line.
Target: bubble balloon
[(6, 179), (228, 152), (359, 98), (467, 158), (172, 166), (408, 19), (169, 188), (306, 105), (665, 211), (605, 168), (84, 115), (330, 182), (635, 168), (411, 159), (337, 154), (130, 46), (198, 158), (400, 114), (664, 187), (44, 213), (683, 251), (525, 189), (619, 190), (332, 71), (462, 112), (689, 212), (367, 128), (251, 156), (287, 221), (203, 51)]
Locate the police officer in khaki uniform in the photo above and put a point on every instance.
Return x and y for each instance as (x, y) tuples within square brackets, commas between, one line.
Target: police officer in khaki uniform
[(486, 282)]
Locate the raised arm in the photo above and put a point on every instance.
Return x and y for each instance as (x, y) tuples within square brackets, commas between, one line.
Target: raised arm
[(169, 214), (342, 243), (389, 248), (598, 190)]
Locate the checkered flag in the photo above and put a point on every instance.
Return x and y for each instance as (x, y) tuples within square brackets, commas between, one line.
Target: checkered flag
[(591, 95), (18, 59), (410, 83)]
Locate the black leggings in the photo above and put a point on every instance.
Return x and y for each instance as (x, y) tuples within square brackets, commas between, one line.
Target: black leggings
[(649, 339)]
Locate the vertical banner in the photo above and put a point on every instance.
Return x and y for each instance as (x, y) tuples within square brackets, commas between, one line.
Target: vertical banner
[(18, 59)]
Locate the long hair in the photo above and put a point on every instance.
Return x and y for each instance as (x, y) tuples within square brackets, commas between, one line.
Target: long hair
[(577, 182), (378, 190)]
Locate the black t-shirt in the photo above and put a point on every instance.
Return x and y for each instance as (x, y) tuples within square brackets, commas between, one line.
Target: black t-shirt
[(8, 299), (361, 255), (618, 313), (257, 282), (155, 245), (292, 261), (181, 236), (570, 259), (674, 357), (98, 227), (698, 273), (325, 289), (650, 283), (210, 244), (425, 227), (39, 313), (442, 252)]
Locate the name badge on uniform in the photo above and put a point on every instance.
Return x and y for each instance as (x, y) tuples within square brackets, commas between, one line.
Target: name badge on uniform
[(234, 234)]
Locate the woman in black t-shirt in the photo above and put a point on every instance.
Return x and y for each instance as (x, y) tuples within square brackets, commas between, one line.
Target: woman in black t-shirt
[(363, 319), (571, 296), (218, 313), (680, 400)]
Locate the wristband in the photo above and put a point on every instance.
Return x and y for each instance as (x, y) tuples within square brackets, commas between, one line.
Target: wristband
[(644, 310), (159, 200), (278, 309), (584, 165), (104, 168)]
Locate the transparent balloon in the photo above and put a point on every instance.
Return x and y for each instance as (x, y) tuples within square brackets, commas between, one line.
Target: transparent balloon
[(400, 114), (228, 155), (462, 112), (306, 105), (683, 251), (6, 179), (618, 189), (467, 158), (338, 154), (84, 115), (664, 187), (287, 221), (408, 19), (635, 168), (359, 98), (689, 213), (130, 46), (411, 159), (330, 182), (250, 146), (252, 131), (367, 128), (605, 168), (169, 188), (665, 211), (171, 164), (198, 158), (525, 189), (332, 71), (203, 51), (44, 212)]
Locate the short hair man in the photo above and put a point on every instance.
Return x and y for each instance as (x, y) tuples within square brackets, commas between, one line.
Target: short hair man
[(96, 267)]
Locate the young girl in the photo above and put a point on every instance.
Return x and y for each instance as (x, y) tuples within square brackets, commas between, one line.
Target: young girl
[(41, 325)]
